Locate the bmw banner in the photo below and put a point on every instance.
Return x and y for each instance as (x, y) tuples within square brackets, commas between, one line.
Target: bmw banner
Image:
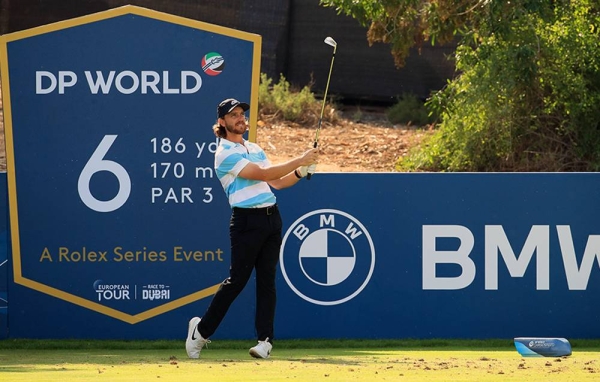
[(440, 256)]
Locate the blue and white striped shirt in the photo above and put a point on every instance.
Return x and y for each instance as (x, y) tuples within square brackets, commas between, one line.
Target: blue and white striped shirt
[(230, 159)]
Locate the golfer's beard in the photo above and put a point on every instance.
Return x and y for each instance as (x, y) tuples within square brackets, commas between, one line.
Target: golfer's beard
[(238, 128)]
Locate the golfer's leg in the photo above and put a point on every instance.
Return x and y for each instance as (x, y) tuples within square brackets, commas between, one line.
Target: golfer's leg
[(244, 249), (266, 295)]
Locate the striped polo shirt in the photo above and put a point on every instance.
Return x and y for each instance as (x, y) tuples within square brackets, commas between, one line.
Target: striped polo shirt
[(230, 159)]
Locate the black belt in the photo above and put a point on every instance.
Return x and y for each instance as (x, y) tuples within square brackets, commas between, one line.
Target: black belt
[(256, 211)]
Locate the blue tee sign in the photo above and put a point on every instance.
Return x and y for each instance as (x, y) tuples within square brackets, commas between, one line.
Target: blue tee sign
[(113, 200)]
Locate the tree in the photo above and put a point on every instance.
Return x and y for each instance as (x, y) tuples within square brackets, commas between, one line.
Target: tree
[(528, 92), (408, 23)]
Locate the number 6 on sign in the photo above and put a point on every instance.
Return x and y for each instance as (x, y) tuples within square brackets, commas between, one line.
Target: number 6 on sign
[(96, 164)]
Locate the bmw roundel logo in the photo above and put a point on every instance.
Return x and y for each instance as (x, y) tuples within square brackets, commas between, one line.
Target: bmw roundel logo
[(327, 257)]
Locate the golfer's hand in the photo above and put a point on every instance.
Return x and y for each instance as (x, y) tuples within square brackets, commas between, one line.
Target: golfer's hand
[(305, 170), (309, 157)]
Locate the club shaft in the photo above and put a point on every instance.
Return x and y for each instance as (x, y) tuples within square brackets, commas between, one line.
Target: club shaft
[(324, 101), (316, 142)]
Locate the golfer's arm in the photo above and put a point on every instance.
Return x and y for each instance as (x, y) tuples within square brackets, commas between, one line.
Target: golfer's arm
[(271, 173), (287, 181)]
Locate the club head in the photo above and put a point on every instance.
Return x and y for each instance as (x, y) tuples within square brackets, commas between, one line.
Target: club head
[(330, 41)]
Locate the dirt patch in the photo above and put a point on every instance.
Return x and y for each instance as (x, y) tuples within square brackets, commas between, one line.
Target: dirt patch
[(371, 144)]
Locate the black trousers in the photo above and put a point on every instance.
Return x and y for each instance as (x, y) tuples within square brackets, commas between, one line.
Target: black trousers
[(255, 235)]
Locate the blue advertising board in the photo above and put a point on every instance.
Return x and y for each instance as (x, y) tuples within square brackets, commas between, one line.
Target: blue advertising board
[(3, 256), (456, 256), (398, 256)]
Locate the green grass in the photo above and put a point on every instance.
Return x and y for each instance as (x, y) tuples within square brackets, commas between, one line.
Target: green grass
[(291, 360)]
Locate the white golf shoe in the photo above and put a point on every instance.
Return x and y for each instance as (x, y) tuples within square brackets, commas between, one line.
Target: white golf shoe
[(262, 350), (194, 341)]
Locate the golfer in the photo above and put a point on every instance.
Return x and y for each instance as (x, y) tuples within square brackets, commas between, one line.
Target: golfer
[(255, 226)]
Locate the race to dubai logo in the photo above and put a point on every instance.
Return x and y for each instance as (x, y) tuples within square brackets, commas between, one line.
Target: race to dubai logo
[(213, 64), (327, 257)]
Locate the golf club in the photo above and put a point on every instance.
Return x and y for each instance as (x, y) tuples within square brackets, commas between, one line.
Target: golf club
[(331, 42)]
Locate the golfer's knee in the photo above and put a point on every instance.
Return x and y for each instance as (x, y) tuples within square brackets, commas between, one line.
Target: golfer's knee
[(233, 284)]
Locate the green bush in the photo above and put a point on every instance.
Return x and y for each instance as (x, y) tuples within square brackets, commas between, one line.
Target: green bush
[(409, 110), (281, 101), (527, 98)]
